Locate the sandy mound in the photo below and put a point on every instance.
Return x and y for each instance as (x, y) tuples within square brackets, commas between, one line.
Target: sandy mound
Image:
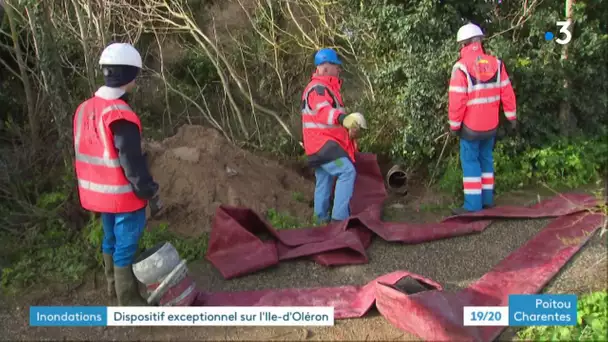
[(198, 170)]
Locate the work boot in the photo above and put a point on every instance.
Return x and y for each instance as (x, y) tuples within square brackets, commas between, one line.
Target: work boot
[(127, 289), (108, 266)]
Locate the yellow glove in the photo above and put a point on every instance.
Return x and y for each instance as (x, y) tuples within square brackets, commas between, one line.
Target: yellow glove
[(354, 120)]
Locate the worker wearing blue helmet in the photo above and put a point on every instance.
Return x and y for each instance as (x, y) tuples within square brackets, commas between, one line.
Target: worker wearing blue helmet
[(327, 56), (329, 138)]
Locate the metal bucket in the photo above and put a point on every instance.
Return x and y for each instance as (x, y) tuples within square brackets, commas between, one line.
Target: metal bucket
[(165, 276)]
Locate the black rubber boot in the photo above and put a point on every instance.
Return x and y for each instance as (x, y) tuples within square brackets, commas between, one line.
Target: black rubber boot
[(108, 267), (127, 289)]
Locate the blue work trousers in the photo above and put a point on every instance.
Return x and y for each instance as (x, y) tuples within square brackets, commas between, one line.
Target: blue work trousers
[(121, 233), (344, 170), (478, 173)]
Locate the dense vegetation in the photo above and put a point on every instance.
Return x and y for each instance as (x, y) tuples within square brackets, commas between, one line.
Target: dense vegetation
[(240, 65)]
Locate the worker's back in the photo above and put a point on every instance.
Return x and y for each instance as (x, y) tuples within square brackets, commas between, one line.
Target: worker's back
[(479, 84), (102, 185)]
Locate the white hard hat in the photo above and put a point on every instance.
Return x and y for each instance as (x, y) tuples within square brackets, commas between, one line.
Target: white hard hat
[(468, 31), (120, 54)]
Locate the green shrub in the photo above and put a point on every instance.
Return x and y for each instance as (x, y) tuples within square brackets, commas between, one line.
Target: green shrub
[(407, 49), (280, 220), (561, 165), (190, 249), (54, 255)]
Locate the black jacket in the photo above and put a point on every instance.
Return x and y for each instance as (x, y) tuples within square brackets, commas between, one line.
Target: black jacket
[(127, 140)]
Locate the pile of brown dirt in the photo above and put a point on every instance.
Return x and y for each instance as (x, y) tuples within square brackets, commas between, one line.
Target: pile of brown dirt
[(198, 169)]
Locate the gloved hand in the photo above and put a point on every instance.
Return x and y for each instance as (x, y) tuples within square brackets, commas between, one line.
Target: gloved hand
[(156, 205), (354, 120)]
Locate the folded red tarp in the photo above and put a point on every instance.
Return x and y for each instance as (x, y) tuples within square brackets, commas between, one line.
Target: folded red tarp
[(348, 301), (438, 315), (410, 302), (235, 250)]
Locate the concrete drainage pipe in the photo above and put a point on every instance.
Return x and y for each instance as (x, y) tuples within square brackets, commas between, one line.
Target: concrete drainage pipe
[(396, 180)]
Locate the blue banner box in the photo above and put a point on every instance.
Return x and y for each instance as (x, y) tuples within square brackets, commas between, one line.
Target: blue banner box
[(68, 316), (542, 310)]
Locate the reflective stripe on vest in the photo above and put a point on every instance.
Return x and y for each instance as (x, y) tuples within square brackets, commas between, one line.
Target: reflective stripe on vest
[(105, 161), (105, 188), (307, 110), (317, 125), (473, 88)]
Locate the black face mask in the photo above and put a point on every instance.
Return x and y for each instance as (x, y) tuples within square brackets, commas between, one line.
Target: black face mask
[(119, 75)]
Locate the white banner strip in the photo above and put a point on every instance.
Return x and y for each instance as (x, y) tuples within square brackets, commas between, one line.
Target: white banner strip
[(221, 316), (496, 316)]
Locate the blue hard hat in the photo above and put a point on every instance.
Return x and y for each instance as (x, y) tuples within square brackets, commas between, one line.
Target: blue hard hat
[(327, 56)]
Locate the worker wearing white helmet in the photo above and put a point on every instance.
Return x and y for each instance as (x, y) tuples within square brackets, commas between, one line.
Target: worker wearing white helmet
[(478, 85), (113, 175)]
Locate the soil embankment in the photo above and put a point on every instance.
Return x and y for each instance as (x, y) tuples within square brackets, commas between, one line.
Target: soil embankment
[(198, 169)]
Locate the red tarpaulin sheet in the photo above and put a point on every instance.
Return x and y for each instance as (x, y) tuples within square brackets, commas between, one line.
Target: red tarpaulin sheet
[(410, 302)]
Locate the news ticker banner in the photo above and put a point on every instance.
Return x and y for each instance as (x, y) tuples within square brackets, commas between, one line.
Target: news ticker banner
[(92, 316), (525, 310)]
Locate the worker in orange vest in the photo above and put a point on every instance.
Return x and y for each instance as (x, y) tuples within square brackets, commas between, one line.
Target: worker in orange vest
[(113, 175), (478, 85), (328, 137)]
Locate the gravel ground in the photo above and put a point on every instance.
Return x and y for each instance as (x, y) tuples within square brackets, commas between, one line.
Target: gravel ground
[(454, 263)]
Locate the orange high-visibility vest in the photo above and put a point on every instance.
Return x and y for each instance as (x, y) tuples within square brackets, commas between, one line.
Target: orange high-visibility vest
[(478, 85), (320, 124), (102, 185)]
